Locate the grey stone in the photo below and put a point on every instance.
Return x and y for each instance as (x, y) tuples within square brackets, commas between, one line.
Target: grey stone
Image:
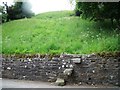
[(51, 79), (111, 77), (103, 71), (68, 72), (62, 75), (60, 82)]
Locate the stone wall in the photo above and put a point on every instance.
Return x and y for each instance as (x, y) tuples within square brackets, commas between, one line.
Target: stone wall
[(87, 69)]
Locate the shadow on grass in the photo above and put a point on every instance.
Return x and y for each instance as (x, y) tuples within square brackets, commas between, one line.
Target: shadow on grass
[(106, 25)]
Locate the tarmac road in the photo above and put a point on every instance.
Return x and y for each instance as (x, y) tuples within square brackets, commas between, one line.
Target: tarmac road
[(12, 83)]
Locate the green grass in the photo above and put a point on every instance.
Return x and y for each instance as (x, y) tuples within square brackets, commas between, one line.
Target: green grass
[(58, 32)]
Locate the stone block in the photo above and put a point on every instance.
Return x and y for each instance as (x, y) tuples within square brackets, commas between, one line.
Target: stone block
[(67, 72), (51, 79), (60, 82), (76, 60)]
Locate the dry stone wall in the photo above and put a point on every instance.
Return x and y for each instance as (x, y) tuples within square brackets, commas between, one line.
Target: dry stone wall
[(86, 69)]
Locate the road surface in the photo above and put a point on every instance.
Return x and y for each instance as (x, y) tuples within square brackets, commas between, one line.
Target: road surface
[(12, 83)]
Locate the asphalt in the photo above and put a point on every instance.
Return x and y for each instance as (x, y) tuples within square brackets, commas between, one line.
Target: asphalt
[(12, 83)]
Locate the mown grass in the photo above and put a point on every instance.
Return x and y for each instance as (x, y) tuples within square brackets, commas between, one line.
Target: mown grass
[(58, 32)]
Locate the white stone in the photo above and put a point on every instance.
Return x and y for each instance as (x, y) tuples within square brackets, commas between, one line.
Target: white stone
[(8, 68), (25, 66), (59, 68), (93, 71), (76, 60), (63, 66), (29, 60), (111, 77), (63, 60), (71, 66), (80, 83), (60, 82), (66, 65), (67, 72), (24, 76)]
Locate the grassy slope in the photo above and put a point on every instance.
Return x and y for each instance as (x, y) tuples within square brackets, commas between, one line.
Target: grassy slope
[(57, 32), (0, 39)]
